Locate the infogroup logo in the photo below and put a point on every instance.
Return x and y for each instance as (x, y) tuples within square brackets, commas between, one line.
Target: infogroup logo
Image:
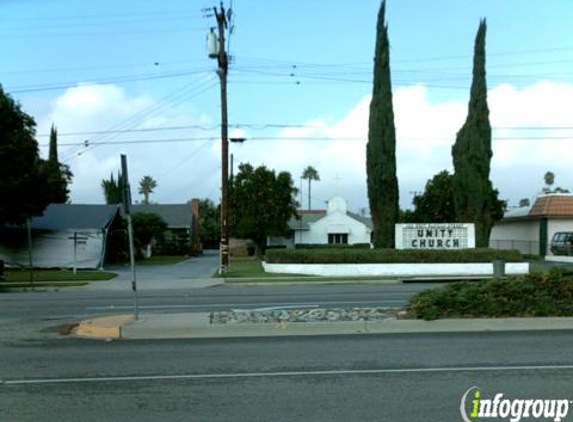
[(474, 407)]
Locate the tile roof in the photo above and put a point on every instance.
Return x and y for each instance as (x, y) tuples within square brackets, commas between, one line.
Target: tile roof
[(552, 206)]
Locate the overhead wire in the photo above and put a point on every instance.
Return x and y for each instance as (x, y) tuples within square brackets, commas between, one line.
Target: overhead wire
[(258, 127), (293, 138), (114, 80), (171, 100)]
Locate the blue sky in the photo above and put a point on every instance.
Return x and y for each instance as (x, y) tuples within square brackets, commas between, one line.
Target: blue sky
[(299, 86)]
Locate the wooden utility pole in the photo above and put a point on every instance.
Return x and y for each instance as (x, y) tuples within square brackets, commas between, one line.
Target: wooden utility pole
[(223, 62)]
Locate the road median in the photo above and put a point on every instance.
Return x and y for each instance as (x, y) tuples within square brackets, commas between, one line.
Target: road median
[(198, 325)]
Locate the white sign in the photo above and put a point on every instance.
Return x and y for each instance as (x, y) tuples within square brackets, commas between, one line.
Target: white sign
[(435, 236)]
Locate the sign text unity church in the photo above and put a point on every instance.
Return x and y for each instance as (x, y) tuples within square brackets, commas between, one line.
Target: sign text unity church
[(435, 236)]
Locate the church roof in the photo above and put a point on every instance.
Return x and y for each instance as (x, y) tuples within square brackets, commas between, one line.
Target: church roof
[(305, 217)]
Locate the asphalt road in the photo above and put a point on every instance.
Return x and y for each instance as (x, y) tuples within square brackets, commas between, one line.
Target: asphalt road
[(74, 304), (343, 378), (203, 266)]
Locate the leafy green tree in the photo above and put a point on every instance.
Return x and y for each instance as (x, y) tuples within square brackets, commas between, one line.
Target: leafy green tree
[(210, 222), (113, 189), (147, 227), (57, 175), (310, 174), (474, 196), (261, 203), (146, 186), (23, 189), (381, 148), (436, 204)]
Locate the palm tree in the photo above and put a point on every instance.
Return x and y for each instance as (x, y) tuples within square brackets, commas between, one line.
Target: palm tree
[(146, 186), (311, 174)]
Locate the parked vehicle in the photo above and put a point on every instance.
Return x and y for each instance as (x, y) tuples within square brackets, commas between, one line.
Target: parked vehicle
[(562, 243)]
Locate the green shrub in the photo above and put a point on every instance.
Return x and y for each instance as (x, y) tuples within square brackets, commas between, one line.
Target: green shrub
[(533, 295), (387, 256), (332, 246)]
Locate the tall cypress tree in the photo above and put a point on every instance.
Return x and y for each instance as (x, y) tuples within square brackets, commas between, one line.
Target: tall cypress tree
[(381, 147), (57, 175), (53, 152), (474, 196)]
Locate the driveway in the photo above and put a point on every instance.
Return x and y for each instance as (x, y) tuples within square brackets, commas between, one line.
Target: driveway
[(194, 272)]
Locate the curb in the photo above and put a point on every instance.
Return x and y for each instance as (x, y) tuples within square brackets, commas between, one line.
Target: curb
[(109, 327), (197, 326), (254, 283)]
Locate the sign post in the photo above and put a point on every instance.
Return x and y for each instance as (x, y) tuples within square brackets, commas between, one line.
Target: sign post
[(127, 210)]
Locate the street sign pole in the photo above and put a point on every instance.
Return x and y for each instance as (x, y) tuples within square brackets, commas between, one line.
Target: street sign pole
[(127, 209)]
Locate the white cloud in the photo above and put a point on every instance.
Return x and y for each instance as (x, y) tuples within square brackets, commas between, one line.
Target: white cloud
[(425, 133), (182, 169)]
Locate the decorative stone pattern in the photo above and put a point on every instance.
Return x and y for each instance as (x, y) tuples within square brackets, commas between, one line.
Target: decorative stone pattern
[(277, 315)]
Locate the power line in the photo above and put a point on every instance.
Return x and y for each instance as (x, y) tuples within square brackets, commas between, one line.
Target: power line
[(283, 138), (120, 131), (114, 15), (258, 127), (163, 105), (115, 80), (98, 33)]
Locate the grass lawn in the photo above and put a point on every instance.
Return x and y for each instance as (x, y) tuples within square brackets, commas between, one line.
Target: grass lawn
[(6, 287), (162, 260), (55, 275)]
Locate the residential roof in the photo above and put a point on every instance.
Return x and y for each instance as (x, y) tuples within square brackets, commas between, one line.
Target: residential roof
[(553, 205), (306, 217), (521, 212), (176, 216), (75, 217), (367, 221), (313, 216)]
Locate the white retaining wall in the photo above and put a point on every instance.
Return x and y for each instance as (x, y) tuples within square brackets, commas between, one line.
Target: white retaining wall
[(559, 258), (407, 270)]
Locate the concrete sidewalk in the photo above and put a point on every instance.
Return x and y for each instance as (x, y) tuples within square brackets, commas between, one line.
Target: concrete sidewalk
[(144, 284), (197, 325)]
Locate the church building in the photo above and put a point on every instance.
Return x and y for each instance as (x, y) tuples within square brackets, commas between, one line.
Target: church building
[(335, 225)]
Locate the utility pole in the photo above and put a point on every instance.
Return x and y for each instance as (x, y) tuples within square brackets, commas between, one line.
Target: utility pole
[(223, 62)]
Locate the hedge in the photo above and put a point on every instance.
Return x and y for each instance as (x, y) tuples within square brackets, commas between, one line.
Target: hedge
[(332, 246), (388, 256), (536, 295)]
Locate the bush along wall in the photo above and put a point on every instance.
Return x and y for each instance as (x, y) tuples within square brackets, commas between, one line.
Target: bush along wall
[(535, 295), (388, 256)]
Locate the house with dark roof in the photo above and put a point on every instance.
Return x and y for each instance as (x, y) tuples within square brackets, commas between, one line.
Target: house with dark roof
[(182, 225), (334, 225), (531, 228), (65, 236)]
